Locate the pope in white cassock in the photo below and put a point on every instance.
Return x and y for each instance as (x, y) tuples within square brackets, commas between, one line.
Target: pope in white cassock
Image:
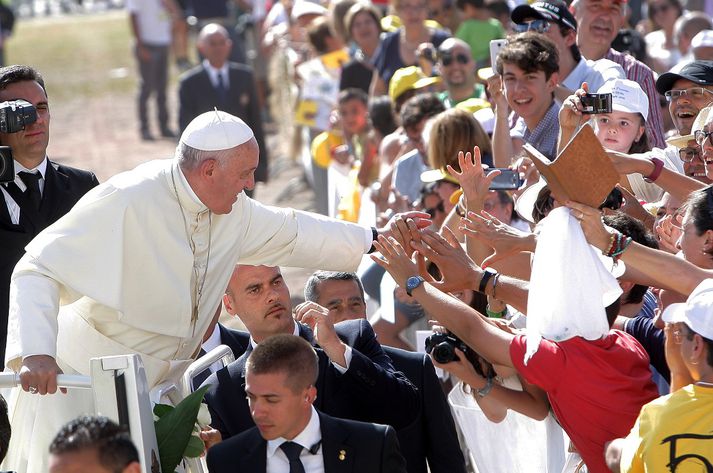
[(139, 266)]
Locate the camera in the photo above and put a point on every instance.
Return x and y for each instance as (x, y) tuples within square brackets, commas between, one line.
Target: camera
[(442, 347), (7, 166), (15, 115), (596, 103)]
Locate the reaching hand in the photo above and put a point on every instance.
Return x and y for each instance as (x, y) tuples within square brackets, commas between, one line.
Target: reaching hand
[(404, 227), (570, 114), (592, 225), (472, 178), (395, 260), (458, 271), (668, 231), (319, 320), (626, 164), (504, 239), (210, 437)]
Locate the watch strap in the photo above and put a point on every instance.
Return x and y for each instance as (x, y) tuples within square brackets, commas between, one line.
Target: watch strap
[(658, 166)]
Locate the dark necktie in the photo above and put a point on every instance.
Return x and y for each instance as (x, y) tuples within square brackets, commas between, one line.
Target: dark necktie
[(221, 89), (32, 182), (293, 450)]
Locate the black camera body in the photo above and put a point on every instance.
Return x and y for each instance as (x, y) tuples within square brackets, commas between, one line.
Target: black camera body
[(596, 103), (15, 115), (441, 346)]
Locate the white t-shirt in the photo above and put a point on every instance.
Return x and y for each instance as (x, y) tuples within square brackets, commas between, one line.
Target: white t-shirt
[(154, 21), (594, 73)]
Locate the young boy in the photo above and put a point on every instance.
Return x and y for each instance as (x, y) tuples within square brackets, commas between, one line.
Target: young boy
[(477, 29), (527, 75)]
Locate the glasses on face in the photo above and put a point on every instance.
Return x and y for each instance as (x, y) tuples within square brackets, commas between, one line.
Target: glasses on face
[(539, 26), (688, 154), (438, 208), (448, 58), (701, 136), (693, 93)]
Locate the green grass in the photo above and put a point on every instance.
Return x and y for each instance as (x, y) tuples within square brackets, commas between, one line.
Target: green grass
[(77, 54)]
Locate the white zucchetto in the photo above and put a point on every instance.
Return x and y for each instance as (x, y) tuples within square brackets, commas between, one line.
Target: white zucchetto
[(216, 130)]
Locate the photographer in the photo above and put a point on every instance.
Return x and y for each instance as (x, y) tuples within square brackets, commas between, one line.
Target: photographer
[(38, 191)]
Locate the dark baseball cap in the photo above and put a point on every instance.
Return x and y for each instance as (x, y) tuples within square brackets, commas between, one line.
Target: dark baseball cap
[(552, 10), (700, 72)]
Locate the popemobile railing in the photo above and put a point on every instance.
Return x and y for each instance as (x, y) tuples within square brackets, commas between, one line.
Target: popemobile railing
[(121, 393)]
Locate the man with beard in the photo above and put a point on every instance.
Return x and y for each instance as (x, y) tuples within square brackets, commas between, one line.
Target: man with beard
[(356, 378)]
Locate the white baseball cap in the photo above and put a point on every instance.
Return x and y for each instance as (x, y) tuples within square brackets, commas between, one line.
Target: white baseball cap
[(696, 312), (627, 96), (216, 130), (704, 39)]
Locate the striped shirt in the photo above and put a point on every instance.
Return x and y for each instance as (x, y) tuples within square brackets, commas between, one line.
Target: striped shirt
[(640, 72), (544, 136)]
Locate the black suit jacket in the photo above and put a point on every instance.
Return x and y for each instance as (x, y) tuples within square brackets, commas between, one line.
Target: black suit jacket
[(433, 434), (365, 448), (64, 186), (236, 340), (371, 390), (197, 95)]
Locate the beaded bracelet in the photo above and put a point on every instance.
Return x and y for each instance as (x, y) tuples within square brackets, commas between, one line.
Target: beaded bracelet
[(496, 315), (619, 243)]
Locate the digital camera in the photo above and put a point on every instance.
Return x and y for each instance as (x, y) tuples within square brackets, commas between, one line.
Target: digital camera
[(596, 103), (441, 346), (15, 115)]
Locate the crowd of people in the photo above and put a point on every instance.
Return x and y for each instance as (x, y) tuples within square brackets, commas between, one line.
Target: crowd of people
[(577, 306)]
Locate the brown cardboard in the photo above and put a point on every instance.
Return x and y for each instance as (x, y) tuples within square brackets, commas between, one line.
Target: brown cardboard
[(582, 172)]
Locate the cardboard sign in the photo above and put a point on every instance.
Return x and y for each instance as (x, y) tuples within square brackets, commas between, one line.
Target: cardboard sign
[(582, 172)]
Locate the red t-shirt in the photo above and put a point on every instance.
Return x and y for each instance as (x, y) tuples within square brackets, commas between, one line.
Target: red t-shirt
[(596, 387)]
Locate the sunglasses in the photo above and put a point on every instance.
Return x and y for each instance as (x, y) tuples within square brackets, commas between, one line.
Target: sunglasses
[(695, 92), (539, 26), (688, 154), (438, 208), (701, 136), (447, 59)]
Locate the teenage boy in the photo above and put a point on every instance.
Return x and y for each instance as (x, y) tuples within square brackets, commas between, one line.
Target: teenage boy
[(527, 75), (554, 20)]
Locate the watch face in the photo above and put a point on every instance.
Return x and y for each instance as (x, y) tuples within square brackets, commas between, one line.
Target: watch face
[(412, 283)]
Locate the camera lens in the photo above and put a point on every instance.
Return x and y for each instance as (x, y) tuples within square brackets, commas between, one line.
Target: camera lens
[(443, 353)]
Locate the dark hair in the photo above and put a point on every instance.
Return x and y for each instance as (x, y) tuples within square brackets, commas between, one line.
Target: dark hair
[(112, 441), (287, 354), (318, 277), (352, 94), (543, 204), (5, 430), (361, 7), (641, 145), (700, 208), (318, 31), (612, 311), (531, 52), (634, 228), (498, 7), (574, 49), (19, 73), (381, 115), (473, 3), (339, 12), (420, 107), (709, 343)]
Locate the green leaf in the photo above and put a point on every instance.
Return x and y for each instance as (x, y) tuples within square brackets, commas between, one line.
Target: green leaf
[(161, 410), (175, 428), (195, 447)]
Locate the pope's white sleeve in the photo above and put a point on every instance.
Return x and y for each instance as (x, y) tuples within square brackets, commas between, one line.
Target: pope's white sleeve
[(34, 304)]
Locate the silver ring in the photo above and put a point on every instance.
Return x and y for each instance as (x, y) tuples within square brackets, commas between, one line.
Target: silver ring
[(33, 390)]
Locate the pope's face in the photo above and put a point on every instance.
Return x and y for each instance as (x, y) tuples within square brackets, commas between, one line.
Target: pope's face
[(260, 297), (29, 146), (230, 178)]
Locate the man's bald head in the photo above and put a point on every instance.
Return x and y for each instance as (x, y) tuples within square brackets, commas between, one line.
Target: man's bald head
[(214, 44)]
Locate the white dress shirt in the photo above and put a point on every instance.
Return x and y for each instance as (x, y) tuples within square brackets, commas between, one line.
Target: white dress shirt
[(340, 368), (213, 74), (277, 461), (12, 207)]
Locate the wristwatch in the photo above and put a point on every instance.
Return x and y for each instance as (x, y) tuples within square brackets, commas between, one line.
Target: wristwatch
[(412, 283), (485, 390)]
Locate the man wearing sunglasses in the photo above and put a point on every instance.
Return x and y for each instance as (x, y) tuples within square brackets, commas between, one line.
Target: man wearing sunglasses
[(554, 20), (457, 69)]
